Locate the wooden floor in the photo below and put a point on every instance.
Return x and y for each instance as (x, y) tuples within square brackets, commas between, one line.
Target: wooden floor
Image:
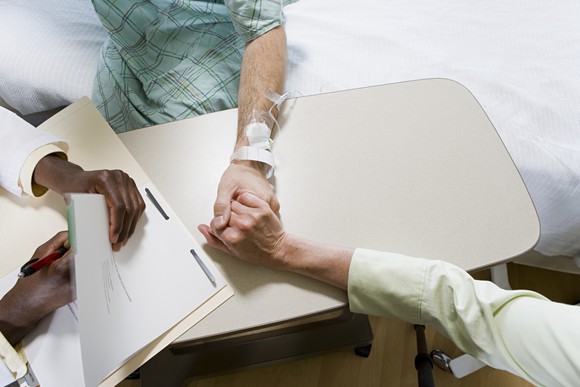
[(394, 347)]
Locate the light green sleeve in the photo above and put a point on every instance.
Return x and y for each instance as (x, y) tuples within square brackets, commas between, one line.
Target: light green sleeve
[(499, 327), (252, 18)]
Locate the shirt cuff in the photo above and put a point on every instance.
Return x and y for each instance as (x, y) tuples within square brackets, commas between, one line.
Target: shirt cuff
[(15, 360), (386, 284), (26, 181)]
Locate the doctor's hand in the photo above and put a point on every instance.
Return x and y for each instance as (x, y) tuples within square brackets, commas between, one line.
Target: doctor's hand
[(241, 177), (254, 233), (121, 193), (37, 295)]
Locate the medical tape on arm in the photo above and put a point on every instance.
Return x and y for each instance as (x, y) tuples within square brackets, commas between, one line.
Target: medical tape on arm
[(259, 138)]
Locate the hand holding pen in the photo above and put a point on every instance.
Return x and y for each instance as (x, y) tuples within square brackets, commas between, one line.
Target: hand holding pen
[(36, 264), (34, 296)]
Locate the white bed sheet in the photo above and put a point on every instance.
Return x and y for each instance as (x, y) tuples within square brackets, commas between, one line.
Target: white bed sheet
[(520, 59), (48, 52)]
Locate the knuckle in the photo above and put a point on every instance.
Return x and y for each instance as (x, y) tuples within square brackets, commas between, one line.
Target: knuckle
[(275, 205), (260, 216), (104, 175), (246, 224), (133, 186), (120, 206), (108, 176), (231, 237), (235, 239)]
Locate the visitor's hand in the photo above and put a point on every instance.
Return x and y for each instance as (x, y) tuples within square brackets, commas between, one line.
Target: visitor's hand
[(254, 233)]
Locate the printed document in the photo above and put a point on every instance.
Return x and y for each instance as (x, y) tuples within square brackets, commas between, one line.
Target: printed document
[(126, 299)]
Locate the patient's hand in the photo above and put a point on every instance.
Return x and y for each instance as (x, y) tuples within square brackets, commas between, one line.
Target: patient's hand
[(37, 295), (121, 194), (241, 177), (254, 233)]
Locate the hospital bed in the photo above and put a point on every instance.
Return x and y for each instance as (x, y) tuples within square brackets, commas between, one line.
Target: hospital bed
[(520, 59)]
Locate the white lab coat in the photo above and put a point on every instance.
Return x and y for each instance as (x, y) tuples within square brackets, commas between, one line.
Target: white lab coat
[(20, 143)]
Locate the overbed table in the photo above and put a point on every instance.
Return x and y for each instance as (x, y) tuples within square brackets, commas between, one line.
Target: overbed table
[(413, 167)]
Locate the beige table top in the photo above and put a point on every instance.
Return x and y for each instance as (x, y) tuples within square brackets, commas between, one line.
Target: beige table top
[(413, 167)]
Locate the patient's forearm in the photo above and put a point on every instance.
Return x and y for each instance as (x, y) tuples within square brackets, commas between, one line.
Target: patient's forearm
[(263, 70)]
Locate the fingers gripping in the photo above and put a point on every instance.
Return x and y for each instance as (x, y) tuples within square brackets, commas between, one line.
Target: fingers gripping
[(58, 240)]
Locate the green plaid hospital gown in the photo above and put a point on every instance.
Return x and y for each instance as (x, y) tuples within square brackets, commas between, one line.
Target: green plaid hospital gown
[(172, 59)]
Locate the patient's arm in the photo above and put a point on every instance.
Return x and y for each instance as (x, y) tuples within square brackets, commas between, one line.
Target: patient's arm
[(121, 194), (263, 71)]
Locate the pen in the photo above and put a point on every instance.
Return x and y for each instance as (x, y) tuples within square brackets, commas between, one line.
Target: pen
[(35, 265), (203, 266)]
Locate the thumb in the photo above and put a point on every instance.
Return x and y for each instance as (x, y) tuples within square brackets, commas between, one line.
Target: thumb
[(57, 241), (222, 210), (212, 240)]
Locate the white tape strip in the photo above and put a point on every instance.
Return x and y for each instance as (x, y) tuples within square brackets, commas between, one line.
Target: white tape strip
[(258, 134), (256, 154)]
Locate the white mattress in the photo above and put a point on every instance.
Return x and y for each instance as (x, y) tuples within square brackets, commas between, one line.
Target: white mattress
[(520, 59)]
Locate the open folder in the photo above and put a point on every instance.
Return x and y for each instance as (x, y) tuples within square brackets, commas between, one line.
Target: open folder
[(131, 304)]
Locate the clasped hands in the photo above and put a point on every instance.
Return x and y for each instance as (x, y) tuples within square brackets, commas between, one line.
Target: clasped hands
[(245, 224)]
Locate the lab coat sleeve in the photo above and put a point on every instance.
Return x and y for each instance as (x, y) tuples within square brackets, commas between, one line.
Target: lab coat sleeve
[(518, 331), (21, 143)]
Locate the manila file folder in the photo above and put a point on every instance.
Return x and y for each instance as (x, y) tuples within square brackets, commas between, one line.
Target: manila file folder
[(130, 304)]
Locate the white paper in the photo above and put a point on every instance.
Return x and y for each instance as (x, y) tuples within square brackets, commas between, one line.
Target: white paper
[(127, 299), (41, 348), (53, 349)]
